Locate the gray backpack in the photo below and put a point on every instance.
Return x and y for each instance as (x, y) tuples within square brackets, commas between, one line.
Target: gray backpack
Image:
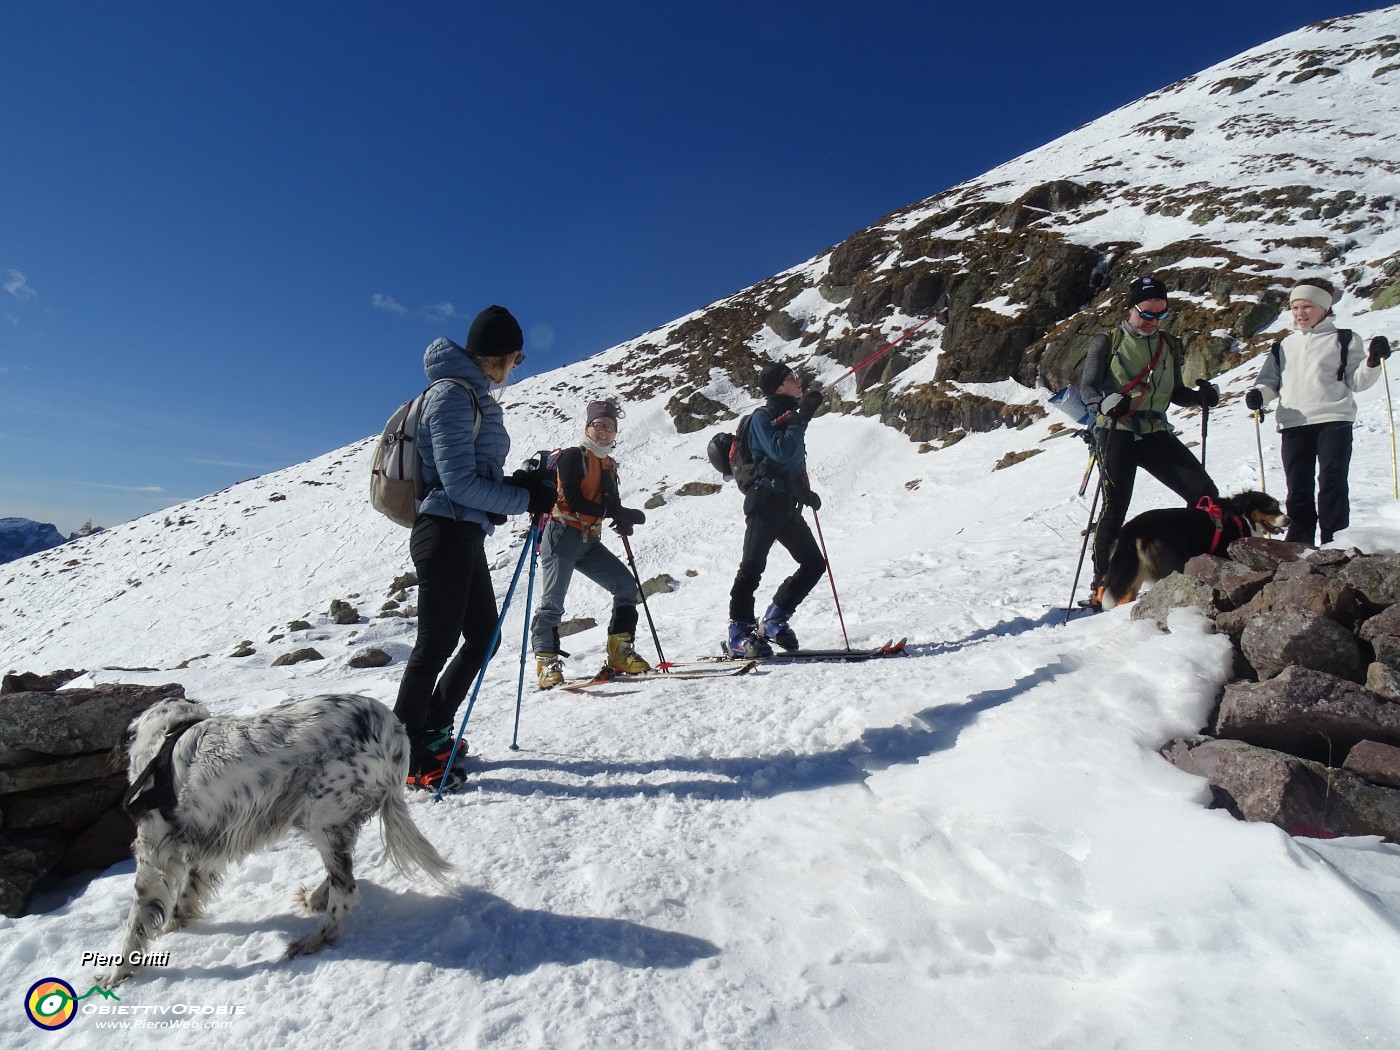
[(396, 468)]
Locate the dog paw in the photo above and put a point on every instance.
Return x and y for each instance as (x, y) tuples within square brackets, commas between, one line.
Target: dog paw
[(314, 900), (113, 977), (308, 945)]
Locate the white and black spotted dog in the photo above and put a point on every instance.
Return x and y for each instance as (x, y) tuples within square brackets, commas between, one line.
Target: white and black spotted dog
[(208, 791)]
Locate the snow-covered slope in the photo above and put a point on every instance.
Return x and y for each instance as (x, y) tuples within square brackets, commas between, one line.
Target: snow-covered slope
[(973, 846)]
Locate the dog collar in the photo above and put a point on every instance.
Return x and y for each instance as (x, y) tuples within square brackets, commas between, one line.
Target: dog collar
[(160, 770)]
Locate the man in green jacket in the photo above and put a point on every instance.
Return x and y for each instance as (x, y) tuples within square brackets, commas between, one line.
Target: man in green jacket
[(1130, 377)]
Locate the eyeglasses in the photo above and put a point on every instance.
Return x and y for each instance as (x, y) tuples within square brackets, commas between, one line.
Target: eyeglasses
[(1151, 315), (601, 425), (518, 360)]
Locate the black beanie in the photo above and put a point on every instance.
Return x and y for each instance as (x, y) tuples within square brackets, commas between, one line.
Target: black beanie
[(494, 333), (772, 377), (1145, 289)]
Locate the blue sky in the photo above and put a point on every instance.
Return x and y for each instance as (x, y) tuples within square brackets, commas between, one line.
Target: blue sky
[(227, 231)]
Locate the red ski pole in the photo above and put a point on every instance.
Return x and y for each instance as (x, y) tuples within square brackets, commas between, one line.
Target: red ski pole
[(832, 577), (880, 352)]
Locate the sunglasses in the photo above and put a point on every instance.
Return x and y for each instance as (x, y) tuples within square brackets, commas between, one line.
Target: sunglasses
[(1151, 315)]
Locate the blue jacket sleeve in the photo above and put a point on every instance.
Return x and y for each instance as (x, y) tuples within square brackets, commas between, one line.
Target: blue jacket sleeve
[(785, 447), (459, 461)]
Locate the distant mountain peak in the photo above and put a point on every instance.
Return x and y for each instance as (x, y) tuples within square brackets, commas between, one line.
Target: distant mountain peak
[(20, 537)]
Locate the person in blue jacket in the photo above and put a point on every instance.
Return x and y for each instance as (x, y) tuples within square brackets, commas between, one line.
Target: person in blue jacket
[(467, 496), (777, 443)]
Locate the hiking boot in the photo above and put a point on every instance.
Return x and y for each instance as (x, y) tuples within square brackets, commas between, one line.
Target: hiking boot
[(623, 657), (1094, 603), (439, 746), (745, 642), (428, 772), (432, 779), (549, 669), (777, 629)]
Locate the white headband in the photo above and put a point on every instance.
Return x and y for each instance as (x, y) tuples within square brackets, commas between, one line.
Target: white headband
[(1311, 293)]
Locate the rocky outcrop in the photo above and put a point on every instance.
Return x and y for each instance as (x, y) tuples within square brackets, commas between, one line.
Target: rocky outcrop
[(1308, 737), (342, 612), (297, 656), (60, 790), (370, 656)]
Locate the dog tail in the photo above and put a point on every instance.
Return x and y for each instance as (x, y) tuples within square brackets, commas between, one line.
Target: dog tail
[(1125, 574), (405, 846)]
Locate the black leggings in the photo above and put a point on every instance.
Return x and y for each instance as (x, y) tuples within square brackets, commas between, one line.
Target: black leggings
[(1162, 456), (455, 601), (1323, 449), (771, 517)]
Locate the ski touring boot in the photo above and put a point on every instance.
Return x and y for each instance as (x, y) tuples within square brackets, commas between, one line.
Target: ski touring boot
[(745, 642), (623, 656), (777, 629), (549, 670)]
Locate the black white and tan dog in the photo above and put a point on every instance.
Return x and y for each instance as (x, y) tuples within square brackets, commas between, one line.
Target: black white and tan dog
[(208, 791), (1157, 543)]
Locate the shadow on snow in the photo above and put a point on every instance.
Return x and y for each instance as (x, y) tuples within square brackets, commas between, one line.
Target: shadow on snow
[(929, 731)]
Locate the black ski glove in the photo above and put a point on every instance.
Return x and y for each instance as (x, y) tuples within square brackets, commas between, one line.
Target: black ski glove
[(1253, 399), (1209, 393), (1115, 405), (1378, 351), (625, 520), (540, 485), (812, 500), (542, 495), (808, 404)]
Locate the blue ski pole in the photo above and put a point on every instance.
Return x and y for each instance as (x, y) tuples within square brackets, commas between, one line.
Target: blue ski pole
[(490, 651), (525, 643)]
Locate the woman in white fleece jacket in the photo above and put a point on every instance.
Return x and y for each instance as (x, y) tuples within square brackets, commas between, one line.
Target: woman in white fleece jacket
[(1314, 377)]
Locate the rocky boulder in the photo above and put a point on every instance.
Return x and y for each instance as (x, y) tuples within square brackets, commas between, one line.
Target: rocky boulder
[(1302, 797), (61, 783), (1375, 577), (1376, 762), (1289, 636), (1232, 584), (1308, 713)]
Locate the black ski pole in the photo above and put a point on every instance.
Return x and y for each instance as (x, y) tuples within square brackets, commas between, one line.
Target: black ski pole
[(1083, 547), (490, 652), (1096, 454), (662, 665), (525, 637), (1205, 428)]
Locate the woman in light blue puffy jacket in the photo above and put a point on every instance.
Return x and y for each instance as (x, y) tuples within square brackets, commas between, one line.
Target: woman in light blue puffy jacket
[(463, 444)]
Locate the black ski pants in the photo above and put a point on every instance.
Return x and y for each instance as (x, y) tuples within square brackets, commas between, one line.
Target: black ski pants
[(1161, 454), (455, 603), (1322, 450), (770, 517)]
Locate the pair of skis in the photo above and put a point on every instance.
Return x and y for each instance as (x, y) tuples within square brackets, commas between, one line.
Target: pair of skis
[(728, 667), (673, 672), (795, 656)]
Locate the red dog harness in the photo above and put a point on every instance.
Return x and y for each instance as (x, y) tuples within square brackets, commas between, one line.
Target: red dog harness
[(1217, 517)]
